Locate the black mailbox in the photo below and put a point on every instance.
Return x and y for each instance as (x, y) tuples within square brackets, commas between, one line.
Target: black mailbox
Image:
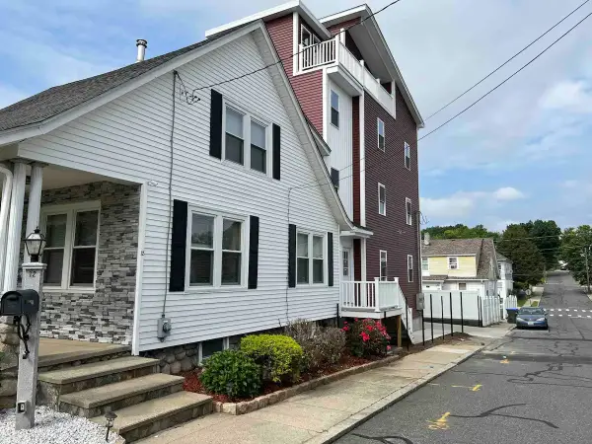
[(19, 303)]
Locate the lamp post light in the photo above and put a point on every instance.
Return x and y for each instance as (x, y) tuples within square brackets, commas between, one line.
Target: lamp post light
[(35, 243), (110, 418)]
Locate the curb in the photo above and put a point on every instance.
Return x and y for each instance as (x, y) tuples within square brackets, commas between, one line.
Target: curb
[(346, 426)]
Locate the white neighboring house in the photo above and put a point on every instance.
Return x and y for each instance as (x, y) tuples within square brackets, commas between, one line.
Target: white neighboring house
[(505, 284), (158, 205)]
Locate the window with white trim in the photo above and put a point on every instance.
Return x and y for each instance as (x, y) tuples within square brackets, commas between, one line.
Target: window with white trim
[(217, 246), (307, 38), (381, 134), (381, 199), (383, 265), (462, 286), (408, 211), (310, 258), (345, 259), (453, 263), (246, 140), (72, 235), (407, 160), (424, 264), (409, 268), (335, 108)]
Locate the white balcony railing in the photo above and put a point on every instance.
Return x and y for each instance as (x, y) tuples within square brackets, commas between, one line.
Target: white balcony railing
[(374, 295), (334, 51)]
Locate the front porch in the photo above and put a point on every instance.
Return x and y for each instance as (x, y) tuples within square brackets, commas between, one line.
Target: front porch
[(371, 299)]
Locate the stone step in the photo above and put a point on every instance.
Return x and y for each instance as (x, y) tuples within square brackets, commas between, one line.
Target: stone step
[(56, 383), (144, 419), (100, 400)]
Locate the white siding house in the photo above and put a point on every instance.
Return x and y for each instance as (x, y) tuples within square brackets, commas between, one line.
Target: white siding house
[(137, 135)]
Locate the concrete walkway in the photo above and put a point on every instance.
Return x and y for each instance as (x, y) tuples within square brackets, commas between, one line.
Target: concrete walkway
[(315, 417), (495, 331)]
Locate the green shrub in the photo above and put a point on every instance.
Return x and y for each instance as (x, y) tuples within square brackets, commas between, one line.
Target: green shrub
[(320, 346), (367, 338), (279, 356), (232, 373)]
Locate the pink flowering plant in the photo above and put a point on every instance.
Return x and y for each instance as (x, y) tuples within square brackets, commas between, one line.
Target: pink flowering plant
[(367, 338)]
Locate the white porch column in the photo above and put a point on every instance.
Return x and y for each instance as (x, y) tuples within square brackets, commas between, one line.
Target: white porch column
[(15, 225), (34, 208)]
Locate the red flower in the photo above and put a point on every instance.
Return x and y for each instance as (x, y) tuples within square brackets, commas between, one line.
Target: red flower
[(355, 319), (345, 322), (346, 328), (388, 347), (370, 328), (365, 336)]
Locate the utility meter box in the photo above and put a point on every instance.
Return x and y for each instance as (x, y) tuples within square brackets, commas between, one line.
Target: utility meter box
[(19, 303)]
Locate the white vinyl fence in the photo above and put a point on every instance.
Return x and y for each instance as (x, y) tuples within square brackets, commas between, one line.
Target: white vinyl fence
[(462, 306)]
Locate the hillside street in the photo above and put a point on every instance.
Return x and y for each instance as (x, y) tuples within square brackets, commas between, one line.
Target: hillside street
[(531, 387)]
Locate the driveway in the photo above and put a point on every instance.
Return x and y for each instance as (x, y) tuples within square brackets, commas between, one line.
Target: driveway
[(531, 387)]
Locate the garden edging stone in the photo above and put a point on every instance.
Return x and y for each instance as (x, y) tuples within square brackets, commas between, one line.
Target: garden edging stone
[(240, 408)]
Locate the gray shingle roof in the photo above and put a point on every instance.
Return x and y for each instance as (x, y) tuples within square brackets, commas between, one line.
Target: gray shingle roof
[(58, 99)]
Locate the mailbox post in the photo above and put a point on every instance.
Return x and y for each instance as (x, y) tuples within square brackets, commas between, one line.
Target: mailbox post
[(27, 375)]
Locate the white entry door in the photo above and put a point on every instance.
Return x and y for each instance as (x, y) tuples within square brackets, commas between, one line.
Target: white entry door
[(347, 265)]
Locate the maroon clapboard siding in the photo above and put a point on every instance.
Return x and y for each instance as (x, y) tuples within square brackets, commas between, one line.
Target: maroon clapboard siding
[(307, 87), (391, 232)]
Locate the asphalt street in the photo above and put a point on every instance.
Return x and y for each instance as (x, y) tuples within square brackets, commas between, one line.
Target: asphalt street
[(531, 387)]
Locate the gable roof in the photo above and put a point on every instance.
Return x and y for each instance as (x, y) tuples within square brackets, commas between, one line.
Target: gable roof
[(56, 100), (501, 257), (482, 249)]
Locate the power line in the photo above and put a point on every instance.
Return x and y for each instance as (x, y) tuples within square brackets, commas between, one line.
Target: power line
[(280, 61), (506, 62), (506, 80)]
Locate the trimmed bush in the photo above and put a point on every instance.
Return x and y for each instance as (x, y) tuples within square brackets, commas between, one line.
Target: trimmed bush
[(367, 338), (232, 373), (279, 356), (320, 346)]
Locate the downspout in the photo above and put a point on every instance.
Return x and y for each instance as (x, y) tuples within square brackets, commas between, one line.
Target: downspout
[(4, 212)]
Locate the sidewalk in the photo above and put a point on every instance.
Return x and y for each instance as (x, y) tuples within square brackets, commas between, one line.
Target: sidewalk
[(495, 331), (316, 416)]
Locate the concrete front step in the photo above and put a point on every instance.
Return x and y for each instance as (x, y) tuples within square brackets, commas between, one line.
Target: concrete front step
[(100, 400), (54, 384), (142, 420)]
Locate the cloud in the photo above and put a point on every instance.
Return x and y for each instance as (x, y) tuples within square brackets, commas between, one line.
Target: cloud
[(571, 96), (463, 204)]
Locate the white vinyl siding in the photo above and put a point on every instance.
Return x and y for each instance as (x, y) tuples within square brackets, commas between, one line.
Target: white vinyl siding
[(129, 139)]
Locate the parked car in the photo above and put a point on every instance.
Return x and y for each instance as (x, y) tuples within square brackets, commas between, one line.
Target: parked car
[(532, 317)]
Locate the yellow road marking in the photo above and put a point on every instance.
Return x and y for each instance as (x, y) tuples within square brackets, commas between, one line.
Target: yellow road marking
[(476, 388), (440, 424), (431, 383), (505, 361)]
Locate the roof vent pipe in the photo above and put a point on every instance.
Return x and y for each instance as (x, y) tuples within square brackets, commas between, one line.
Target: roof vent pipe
[(142, 45)]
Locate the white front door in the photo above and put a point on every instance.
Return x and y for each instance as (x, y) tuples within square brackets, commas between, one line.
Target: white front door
[(347, 265)]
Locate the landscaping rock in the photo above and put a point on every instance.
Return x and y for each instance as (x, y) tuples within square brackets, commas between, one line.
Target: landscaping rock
[(8, 388), (170, 358), (166, 369), (181, 355), (175, 368), (187, 364)]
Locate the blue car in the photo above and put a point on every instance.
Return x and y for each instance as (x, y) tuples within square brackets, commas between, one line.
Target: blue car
[(531, 317)]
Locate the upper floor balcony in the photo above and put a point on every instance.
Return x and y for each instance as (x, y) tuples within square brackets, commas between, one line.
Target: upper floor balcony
[(334, 53)]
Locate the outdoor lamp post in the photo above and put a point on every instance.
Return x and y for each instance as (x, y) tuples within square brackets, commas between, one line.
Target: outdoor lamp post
[(35, 243), (109, 418)]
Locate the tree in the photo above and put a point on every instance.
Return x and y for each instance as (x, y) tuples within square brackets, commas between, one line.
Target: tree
[(575, 246), (459, 231), (528, 261), (547, 237)]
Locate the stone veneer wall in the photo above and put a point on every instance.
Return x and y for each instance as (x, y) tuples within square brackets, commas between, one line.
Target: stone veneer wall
[(107, 314)]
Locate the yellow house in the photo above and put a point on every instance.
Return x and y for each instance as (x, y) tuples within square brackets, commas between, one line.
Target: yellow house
[(459, 264)]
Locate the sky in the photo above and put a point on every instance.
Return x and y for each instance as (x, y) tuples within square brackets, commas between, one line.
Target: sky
[(524, 152)]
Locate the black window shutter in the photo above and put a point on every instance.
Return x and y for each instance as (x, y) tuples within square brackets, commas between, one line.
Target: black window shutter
[(277, 147), (216, 125), (178, 246), (291, 255), (335, 177), (330, 268), (253, 252)]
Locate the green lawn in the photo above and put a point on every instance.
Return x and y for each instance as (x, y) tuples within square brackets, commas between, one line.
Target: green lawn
[(521, 302), (535, 304)]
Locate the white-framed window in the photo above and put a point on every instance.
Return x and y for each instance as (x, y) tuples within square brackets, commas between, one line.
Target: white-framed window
[(381, 134), (409, 268), (335, 108), (310, 258), (499, 268), (462, 286), (217, 245), (307, 38), (453, 263), (424, 264), (381, 199), (247, 139), (383, 265), (71, 252), (407, 161), (408, 211), (345, 266)]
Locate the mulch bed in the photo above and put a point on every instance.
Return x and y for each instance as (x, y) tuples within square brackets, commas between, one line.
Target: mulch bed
[(193, 384)]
